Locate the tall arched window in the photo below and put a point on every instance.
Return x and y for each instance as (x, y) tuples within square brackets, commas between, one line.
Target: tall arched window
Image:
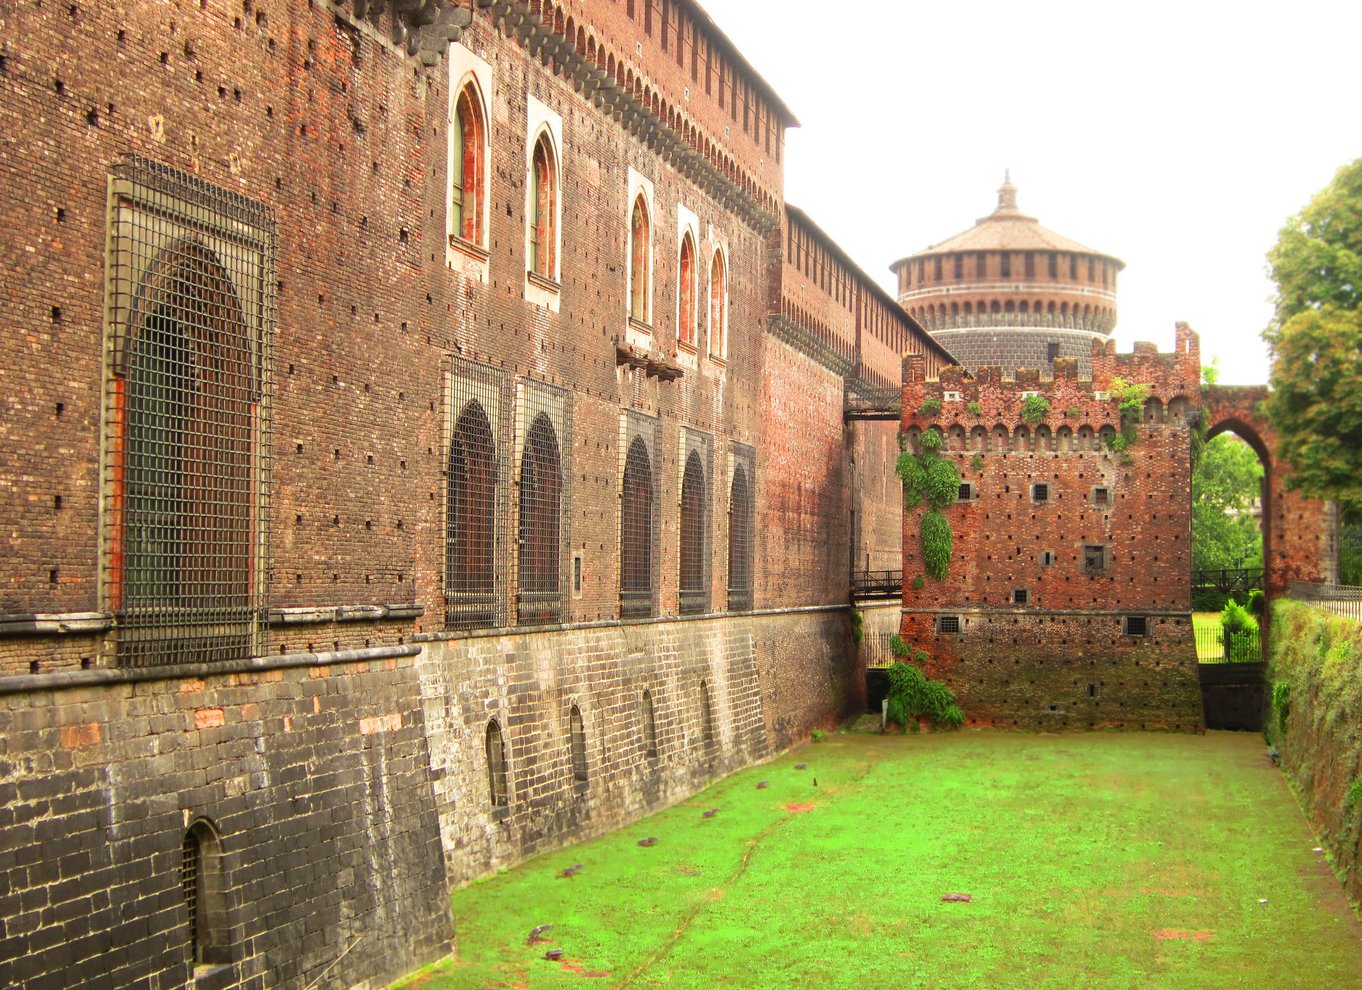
[(205, 895), (577, 742), (467, 183), (740, 542), (706, 717), (541, 493), (543, 259), (636, 532), (685, 305), (640, 261), (186, 445), (694, 528), (470, 523), (718, 306), (495, 749), (649, 725)]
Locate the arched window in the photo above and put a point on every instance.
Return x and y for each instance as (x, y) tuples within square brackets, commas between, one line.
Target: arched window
[(740, 542), (543, 257), (470, 523), (495, 748), (577, 742), (649, 719), (541, 493), (685, 292), (188, 479), (706, 717), (636, 532), (718, 306), (205, 896), (640, 262), (694, 530), (467, 182)]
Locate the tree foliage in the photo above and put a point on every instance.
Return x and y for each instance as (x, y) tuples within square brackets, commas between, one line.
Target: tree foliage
[(1226, 480), (1316, 340)]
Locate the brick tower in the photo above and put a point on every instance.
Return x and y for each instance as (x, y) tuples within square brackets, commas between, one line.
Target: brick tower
[(1009, 292)]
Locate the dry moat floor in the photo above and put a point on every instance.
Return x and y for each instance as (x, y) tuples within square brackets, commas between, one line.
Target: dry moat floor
[(1090, 860)]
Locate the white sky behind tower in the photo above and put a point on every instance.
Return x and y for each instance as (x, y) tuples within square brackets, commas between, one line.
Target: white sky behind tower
[(1177, 136)]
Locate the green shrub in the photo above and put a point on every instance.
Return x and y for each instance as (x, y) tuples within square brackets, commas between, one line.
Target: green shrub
[(942, 483), (1073, 412), (1209, 600), (1281, 703), (976, 462), (1257, 603), (1354, 795), (918, 582), (929, 407), (912, 695), (974, 409), (937, 544), (1035, 408), (857, 628), (914, 477), (932, 441), (1241, 632)]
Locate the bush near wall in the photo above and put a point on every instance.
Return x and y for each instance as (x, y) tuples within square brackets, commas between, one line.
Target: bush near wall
[(1315, 667)]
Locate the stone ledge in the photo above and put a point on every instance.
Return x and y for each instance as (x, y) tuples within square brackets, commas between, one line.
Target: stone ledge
[(345, 613), (54, 623)]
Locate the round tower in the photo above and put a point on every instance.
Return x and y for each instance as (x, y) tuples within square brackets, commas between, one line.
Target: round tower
[(1011, 293)]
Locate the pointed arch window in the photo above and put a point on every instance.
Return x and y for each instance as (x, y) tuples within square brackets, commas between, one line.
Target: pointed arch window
[(205, 895), (686, 279), (740, 537), (694, 588), (190, 321), (543, 255), (472, 492), (577, 742), (541, 501), (640, 261), (649, 718), (467, 179), (718, 306), (494, 747), (636, 532)]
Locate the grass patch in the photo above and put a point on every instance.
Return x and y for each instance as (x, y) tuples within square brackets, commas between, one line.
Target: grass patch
[(1206, 628), (1096, 860)]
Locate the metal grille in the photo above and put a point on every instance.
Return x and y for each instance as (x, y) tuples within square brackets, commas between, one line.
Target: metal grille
[(544, 499), (189, 317), (475, 498), (697, 459), (740, 530), (496, 765), (639, 507), (649, 725), (190, 863), (577, 735)]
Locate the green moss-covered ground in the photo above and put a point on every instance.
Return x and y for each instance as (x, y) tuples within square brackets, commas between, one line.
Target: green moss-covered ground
[(1094, 861)]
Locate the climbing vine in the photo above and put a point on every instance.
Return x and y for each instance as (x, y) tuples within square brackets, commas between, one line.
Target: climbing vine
[(913, 695), (1131, 396), (929, 477)]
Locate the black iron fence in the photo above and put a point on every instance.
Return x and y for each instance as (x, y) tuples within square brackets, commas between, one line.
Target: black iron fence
[(1214, 644), (1341, 599), (876, 584)]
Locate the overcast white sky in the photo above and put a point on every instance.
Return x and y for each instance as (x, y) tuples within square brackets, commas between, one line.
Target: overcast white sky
[(1177, 136)]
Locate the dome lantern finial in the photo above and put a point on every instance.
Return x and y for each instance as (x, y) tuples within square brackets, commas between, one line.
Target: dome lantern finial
[(1007, 195)]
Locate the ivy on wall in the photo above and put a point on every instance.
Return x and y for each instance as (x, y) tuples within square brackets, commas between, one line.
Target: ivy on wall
[(929, 477)]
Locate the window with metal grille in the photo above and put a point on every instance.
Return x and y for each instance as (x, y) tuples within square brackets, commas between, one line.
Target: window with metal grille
[(577, 742), (543, 259), (695, 526), (649, 719), (636, 532), (475, 498), (740, 533), (541, 509), (1101, 496), (948, 623), (1135, 625), (1047, 557), (966, 492), (685, 306), (706, 716), (467, 182), (495, 748), (186, 417), (640, 262), (204, 896), (718, 306), (1020, 596), (1040, 493), (1094, 559)]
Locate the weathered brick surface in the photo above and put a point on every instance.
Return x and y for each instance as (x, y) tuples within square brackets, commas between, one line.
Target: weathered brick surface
[(1062, 656), (317, 779)]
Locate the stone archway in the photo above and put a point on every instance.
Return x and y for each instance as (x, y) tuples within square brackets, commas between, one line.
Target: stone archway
[(1299, 533)]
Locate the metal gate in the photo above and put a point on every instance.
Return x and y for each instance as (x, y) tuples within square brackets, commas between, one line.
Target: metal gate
[(1232, 695)]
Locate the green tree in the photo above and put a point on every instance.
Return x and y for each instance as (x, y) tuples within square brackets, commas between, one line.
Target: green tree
[(1226, 481), (1316, 340)]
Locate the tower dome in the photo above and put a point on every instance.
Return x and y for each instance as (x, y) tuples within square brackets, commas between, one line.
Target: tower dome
[(1011, 293)]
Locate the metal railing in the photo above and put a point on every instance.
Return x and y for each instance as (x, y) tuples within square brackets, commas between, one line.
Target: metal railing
[(1227, 579), (876, 584), (1215, 645), (1341, 599)]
